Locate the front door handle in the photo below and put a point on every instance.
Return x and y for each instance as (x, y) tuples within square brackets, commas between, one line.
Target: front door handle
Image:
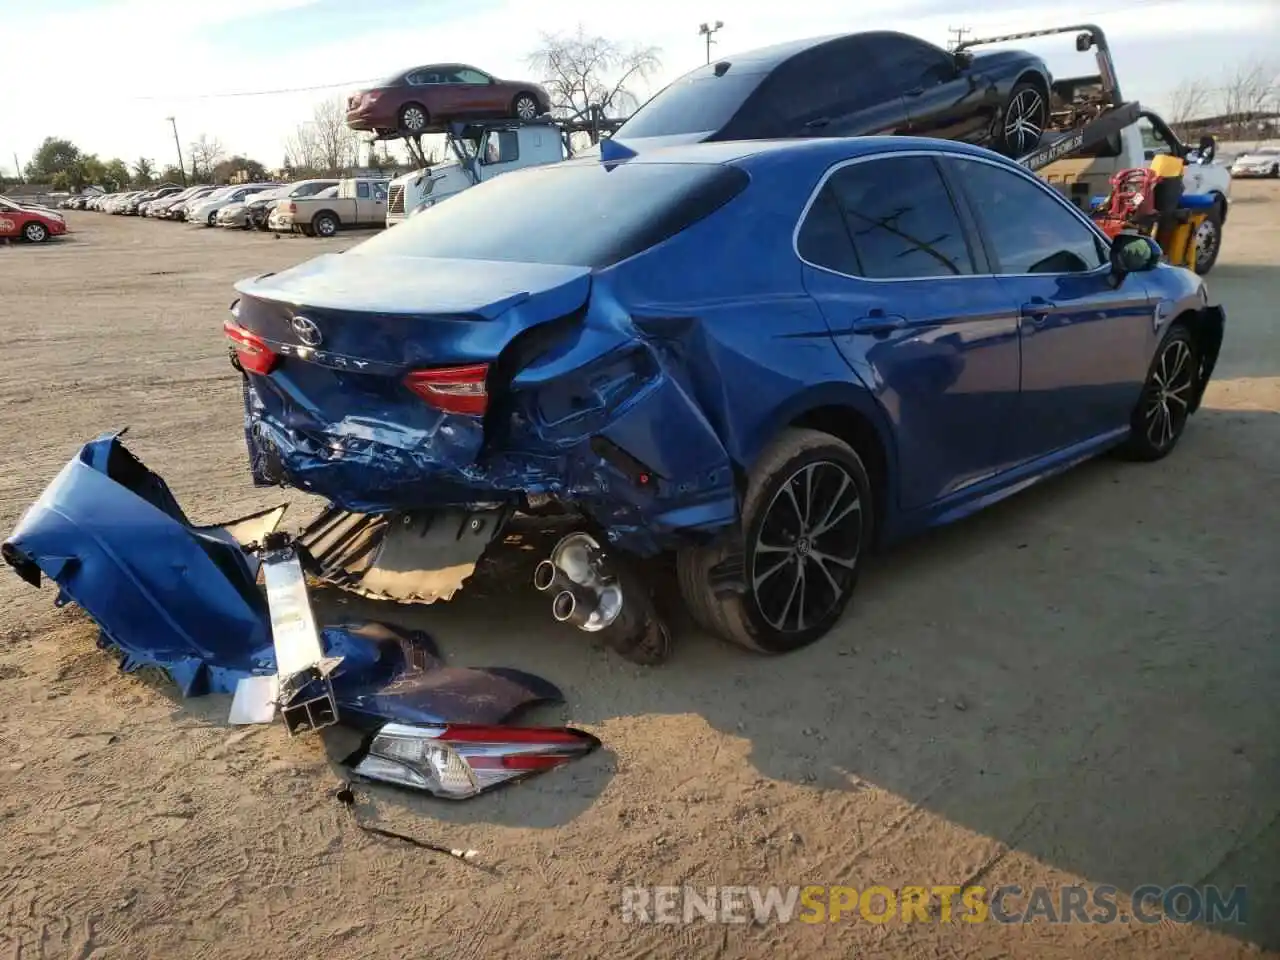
[(1036, 310), (914, 92), (878, 324)]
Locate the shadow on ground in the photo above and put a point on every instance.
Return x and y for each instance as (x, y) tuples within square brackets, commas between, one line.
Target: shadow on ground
[(1049, 674)]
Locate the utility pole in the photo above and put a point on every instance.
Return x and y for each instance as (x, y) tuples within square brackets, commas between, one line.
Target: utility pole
[(708, 30), (957, 36), (178, 143), (17, 168)]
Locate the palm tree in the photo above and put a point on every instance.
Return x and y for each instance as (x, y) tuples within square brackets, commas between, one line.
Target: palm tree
[(144, 170)]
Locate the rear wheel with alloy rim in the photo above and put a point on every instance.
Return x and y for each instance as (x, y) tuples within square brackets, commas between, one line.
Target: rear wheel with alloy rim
[(325, 224), (413, 118), (1023, 121), (807, 521), (1162, 411)]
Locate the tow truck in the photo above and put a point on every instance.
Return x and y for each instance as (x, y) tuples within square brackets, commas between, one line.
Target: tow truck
[(482, 150), (1097, 135)]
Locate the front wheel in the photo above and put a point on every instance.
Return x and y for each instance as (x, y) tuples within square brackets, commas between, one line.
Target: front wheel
[(35, 232), (1023, 122), (807, 522), (1161, 415), (1208, 241), (524, 107)]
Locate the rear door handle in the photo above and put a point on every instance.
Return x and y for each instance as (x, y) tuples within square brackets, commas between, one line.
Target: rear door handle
[(914, 92), (878, 324)]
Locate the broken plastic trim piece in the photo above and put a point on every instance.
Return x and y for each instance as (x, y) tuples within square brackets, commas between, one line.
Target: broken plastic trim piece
[(459, 761), (305, 690)]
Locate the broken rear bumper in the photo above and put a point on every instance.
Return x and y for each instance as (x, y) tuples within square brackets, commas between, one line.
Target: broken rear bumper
[(185, 599)]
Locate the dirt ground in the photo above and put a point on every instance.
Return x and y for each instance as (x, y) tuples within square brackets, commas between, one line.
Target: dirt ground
[(1079, 686)]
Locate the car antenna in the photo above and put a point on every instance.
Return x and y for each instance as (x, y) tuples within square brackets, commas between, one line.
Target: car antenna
[(611, 151)]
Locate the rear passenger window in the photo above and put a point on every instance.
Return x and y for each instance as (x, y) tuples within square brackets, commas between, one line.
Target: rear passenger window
[(824, 239), (362, 191), (899, 217)]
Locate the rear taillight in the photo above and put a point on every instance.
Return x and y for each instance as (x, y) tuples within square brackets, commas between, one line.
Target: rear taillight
[(457, 761), (452, 389), (251, 350)]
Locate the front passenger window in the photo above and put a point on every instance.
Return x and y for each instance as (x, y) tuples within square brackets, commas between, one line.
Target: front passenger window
[(1028, 229)]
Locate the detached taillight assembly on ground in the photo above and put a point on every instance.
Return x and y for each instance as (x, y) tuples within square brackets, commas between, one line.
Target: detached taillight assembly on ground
[(453, 389), (457, 761)]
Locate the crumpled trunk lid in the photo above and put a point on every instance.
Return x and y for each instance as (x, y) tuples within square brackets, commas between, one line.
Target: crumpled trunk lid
[(335, 416)]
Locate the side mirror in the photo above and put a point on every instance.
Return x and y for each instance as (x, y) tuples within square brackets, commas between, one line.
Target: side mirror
[(963, 59), (1208, 149), (1133, 253)]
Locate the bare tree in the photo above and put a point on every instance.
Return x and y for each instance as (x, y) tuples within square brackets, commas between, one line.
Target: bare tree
[(1246, 92), (302, 149), (1191, 100), (338, 145), (324, 144), (206, 153), (583, 71)]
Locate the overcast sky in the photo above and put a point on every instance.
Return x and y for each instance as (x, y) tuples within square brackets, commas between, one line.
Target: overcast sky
[(106, 73)]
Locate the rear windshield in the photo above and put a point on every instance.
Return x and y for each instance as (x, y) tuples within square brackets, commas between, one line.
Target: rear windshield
[(698, 105), (578, 213)]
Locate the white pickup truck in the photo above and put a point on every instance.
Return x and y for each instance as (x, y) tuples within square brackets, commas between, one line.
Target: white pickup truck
[(495, 150), (1086, 176)]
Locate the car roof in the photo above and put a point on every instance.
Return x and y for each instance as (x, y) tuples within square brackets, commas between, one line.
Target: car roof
[(444, 66), (765, 59), (818, 148)]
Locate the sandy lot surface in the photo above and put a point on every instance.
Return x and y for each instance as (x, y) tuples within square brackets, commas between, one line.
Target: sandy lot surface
[(1079, 686)]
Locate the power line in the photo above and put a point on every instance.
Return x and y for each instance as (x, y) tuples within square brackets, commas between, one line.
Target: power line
[(957, 36), (257, 93)]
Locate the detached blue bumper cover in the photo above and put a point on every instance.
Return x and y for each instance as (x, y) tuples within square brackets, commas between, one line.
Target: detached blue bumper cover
[(109, 533), (185, 599)]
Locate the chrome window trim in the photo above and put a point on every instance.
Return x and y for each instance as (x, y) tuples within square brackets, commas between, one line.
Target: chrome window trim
[(935, 152)]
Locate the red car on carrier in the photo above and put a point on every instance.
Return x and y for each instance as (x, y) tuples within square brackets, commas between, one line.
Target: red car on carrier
[(416, 100), (24, 223)]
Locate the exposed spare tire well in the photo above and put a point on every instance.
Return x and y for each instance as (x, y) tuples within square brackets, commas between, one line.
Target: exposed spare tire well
[(854, 429)]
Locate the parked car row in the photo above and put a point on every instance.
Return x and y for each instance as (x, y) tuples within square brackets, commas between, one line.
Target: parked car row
[(316, 207)]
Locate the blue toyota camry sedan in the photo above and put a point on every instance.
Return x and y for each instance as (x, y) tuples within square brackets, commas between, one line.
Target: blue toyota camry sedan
[(762, 357)]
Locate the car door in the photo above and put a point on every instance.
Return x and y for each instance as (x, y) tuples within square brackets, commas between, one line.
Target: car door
[(904, 287), (10, 222), (1085, 340), (430, 87), (866, 101), (833, 89), (941, 99), (478, 95)]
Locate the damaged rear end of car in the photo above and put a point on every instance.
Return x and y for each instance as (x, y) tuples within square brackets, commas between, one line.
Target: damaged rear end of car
[(429, 397)]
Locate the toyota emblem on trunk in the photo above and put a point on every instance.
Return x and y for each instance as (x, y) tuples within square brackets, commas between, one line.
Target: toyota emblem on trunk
[(307, 331)]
